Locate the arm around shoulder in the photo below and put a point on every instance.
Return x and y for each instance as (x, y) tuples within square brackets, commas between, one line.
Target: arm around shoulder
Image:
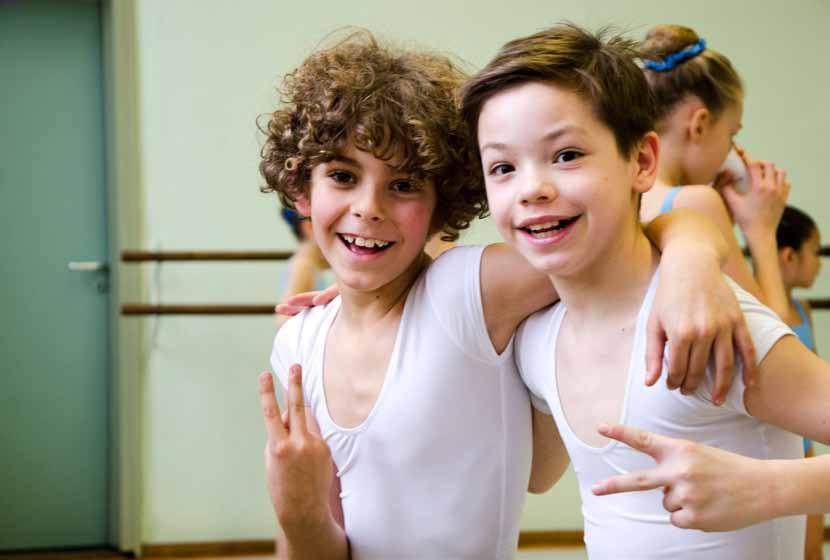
[(511, 290), (706, 200)]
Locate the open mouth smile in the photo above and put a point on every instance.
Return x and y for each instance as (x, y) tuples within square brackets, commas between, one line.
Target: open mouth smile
[(364, 245), (551, 229)]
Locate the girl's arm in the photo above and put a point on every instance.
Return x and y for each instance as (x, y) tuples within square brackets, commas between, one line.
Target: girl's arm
[(300, 276), (758, 214), (714, 490)]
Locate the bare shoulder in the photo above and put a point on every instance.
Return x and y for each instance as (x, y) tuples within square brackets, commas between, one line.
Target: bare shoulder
[(700, 197)]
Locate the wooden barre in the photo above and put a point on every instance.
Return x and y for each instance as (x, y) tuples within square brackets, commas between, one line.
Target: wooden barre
[(134, 309), (197, 309), (149, 256)]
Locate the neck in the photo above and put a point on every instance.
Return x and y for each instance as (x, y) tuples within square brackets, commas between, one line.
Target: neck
[(613, 285), (360, 309), (670, 167)]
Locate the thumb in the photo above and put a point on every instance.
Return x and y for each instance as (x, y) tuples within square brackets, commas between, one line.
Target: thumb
[(728, 192)]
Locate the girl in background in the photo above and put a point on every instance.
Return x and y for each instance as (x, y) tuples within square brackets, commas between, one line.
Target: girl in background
[(799, 245), (699, 98)]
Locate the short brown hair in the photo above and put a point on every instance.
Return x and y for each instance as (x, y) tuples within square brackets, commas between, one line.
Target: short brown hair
[(392, 104), (710, 76), (599, 69)]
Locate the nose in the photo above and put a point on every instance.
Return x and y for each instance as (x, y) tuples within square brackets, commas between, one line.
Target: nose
[(538, 188), (368, 205)]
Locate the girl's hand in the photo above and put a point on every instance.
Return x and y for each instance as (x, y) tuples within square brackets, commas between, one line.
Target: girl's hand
[(298, 462), (696, 317), (703, 487), (758, 211), (294, 304)]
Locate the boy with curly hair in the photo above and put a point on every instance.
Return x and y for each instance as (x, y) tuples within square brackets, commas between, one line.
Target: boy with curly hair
[(408, 425)]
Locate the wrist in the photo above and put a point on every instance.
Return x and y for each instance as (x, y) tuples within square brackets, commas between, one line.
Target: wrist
[(298, 524), (758, 235), (697, 252), (326, 540), (777, 492)]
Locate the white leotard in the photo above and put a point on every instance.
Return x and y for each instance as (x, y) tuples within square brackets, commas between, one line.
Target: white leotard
[(440, 467), (635, 525)]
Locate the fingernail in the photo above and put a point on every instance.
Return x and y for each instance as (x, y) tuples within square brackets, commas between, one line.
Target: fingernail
[(597, 488), (603, 428), (719, 401)]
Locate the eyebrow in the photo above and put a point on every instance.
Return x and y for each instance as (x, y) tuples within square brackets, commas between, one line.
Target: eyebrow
[(353, 162), (550, 136)]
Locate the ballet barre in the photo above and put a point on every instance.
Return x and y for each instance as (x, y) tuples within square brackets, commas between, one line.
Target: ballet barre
[(144, 309)]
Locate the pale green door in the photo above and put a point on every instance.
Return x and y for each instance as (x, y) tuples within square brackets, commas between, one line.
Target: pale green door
[(53, 321)]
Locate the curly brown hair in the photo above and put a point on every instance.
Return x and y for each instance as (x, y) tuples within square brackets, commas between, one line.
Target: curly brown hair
[(391, 103)]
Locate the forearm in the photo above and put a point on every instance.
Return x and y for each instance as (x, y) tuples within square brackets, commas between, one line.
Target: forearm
[(327, 541), (764, 250), (798, 486), (685, 228)]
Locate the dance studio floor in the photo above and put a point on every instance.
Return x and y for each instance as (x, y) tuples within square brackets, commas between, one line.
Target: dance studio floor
[(557, 553)]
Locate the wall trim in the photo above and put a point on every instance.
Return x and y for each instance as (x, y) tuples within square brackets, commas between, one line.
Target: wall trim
[(527, 539), (124, 193)]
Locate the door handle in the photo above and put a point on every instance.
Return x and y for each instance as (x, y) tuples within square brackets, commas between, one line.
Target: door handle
[(88, 266)]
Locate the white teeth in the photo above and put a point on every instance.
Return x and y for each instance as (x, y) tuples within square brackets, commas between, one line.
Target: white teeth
[(365, 242), (540, 227)]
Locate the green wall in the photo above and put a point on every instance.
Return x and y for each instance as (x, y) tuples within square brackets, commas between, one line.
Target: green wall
[(206, 68)]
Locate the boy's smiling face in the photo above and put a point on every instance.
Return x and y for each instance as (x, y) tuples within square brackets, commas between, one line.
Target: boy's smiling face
[(370, 220), (558, 188)]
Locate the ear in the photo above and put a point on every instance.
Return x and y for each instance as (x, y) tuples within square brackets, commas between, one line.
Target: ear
[(303, 205), (698, 124), (787, 255), (646, 158)]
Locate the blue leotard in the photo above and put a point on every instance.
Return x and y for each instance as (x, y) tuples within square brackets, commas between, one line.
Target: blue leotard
[(804, 332), (668, 202)]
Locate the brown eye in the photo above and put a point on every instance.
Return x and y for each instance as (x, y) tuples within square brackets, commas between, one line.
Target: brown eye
[(502, 169), (566, 156), (342, 176), (405, 187)]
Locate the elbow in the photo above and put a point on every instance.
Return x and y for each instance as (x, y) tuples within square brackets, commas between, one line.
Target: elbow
[(536, 487), (544, 478), (539, 484)]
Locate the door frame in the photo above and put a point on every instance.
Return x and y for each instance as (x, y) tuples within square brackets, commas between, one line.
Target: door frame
[(125, 203)]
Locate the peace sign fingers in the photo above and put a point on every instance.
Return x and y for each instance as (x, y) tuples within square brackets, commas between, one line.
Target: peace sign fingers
[(274, 427)]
